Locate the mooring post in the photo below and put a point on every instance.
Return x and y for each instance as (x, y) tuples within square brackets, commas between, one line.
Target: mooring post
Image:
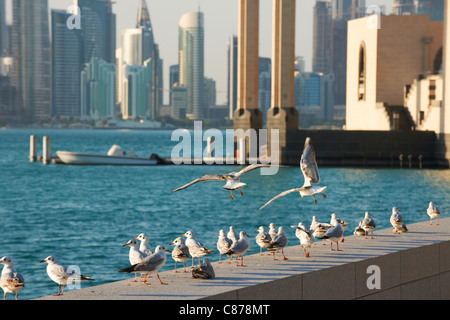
[(33, 148), (400, 157), (46, 150), (420, 161), (410, 160)]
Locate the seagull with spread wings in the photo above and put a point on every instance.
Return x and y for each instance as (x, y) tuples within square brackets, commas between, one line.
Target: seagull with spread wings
[(232, 178), (308, 165)]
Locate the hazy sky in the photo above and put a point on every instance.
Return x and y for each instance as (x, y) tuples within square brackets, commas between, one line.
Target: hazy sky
[(220, 23)]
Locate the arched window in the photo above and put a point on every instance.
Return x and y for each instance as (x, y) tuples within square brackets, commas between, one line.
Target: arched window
[(362, 73)]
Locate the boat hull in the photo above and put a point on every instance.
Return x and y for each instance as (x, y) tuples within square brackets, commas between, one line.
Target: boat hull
[(74, 158)]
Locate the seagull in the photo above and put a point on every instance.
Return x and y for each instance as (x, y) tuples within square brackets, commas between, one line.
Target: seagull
[(305, 236), (368, 224), (180, 252), (196, 248), (145, 246), (239, 248), (272, 230), (433, 212), (279, 241), (135, 255), (232, 178), (397, 222), (62, 274), (151, 264), (334, 233), (319, 228), (232, 235), (11, 281), (204, 270), (359, 231), (308, 165), (223, 244), (263, 238), (334, 219)]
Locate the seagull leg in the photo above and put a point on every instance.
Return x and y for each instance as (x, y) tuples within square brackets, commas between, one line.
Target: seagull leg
[(284, 257), (135, 275), (160, 279), (365, 234), (59, 290), (145, 280), (4, 296), (274, 255), (437, 221), (431, 221), (315, 201), (175, 267), (372, 235), (16, 295), (324, 196), (63, 289), (232, 198), (184, 267), (241, 193)]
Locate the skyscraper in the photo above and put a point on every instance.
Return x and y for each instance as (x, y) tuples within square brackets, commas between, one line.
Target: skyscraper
[(232, 65), (191, 62), (138, 46), (403, 7), (32, 54), (174, 78), (3, 29), (98, 30), (434, 8), (66, 61), (322, 37)]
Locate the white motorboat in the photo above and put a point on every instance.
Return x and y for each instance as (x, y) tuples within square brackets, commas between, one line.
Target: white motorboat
[(115, 156)]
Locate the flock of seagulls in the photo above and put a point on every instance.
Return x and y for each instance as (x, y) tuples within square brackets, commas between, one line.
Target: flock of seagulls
[(145, 261)]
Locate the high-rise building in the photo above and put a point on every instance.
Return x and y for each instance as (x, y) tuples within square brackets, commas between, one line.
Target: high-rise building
[(4, 41), (66, 59), (322, 37), (98, 89), (98, 30), (174, 78), (138, 46), (191, 62), (209, 95), (32, 58), (232, 66), (179, 101), (434, 8), (403, 7)]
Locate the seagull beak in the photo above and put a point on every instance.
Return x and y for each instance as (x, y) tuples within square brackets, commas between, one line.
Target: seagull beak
[(42, 261), (183, 235), (171, 243), (125, 245), (167, 250), (135, 238)]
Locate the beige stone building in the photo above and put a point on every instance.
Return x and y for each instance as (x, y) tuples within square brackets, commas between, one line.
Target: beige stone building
[(393, 73)]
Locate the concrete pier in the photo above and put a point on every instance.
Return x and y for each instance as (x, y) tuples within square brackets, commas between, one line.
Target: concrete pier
[(413, 265)]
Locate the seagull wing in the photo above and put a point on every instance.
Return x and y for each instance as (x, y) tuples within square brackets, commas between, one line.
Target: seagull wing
[(208, 177), (279, 196), (308, 164), (250, 168)]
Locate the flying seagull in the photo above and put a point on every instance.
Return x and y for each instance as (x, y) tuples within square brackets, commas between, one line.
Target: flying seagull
[(232, 178), (308, 165)]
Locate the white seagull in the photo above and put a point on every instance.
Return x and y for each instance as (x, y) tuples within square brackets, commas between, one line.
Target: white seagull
[(232, 178), (204, 270), (151, 264), (223, 244), (397, 222), (308, 165), (319, 228), (334, 233), (272, 230), (144, 246), (263, 239), (305, 236), (433, 212), (135, 255), (279, 241), (11, 281), (239, 248), (232, 235), (62, 274), (196, 248), (180, 252), (359, 231), (368, 224)]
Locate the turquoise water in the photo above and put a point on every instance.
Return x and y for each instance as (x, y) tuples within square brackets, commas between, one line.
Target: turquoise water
[(83, 215)]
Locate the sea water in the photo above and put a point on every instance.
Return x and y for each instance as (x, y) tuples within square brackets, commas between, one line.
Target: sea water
[(82, 215)]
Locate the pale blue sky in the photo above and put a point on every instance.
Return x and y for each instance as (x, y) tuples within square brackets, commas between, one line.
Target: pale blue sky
[(220, 23)]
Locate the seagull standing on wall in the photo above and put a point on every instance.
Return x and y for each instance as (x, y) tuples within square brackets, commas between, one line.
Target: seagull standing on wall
[(308, 165)]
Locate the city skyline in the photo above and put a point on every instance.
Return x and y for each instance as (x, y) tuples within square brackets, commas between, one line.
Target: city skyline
[(221, 21)]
